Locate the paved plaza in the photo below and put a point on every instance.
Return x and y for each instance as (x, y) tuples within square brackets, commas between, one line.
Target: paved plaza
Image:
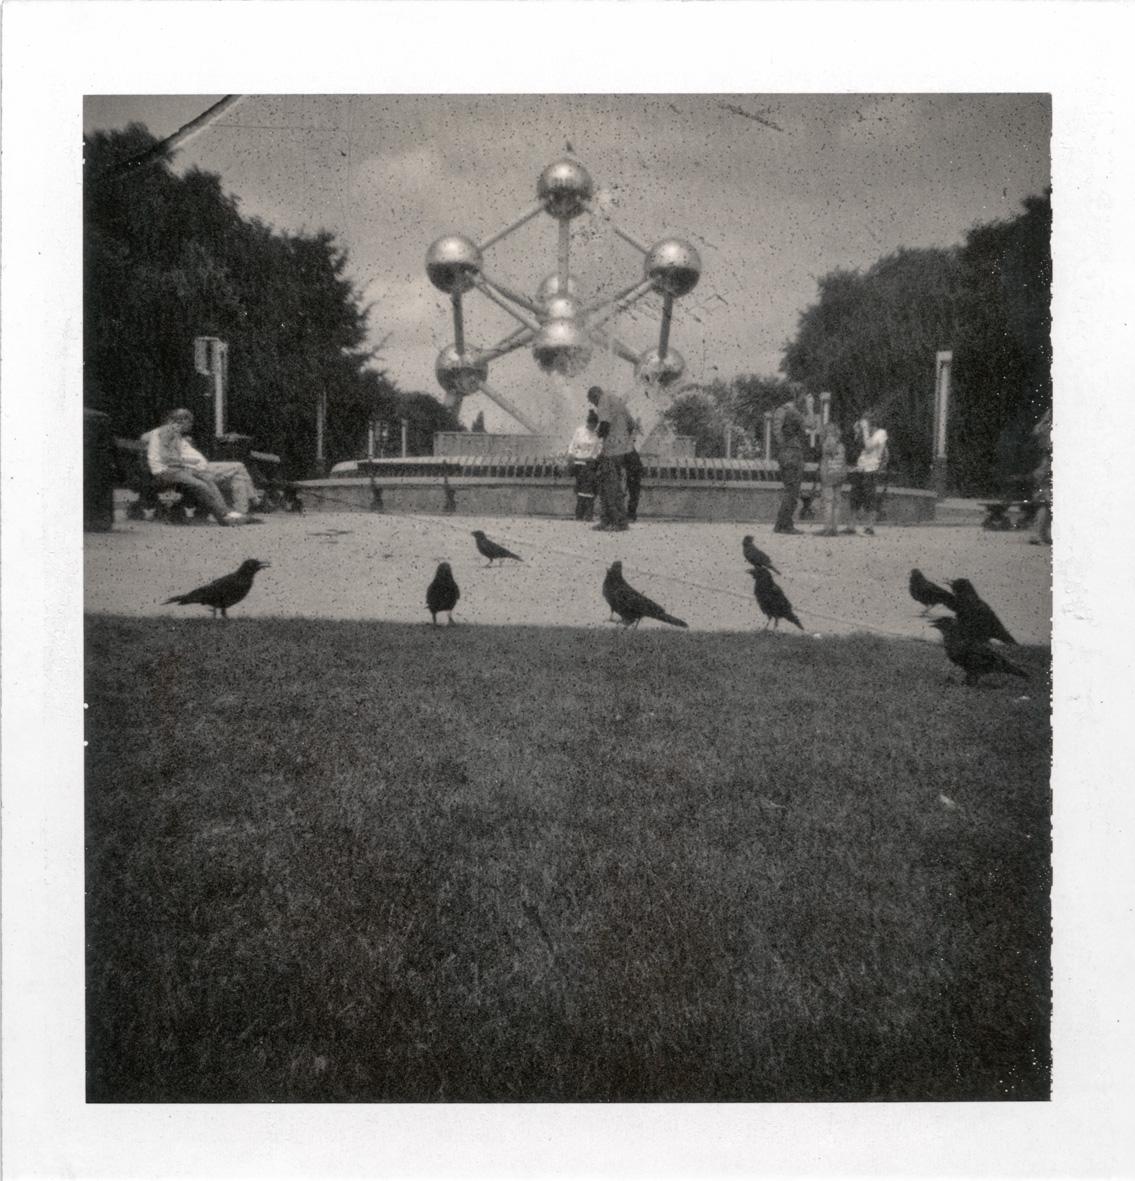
[(374, 566)]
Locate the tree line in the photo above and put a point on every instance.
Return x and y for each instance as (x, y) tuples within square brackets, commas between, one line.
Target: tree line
[(168, 258), (871, 337)]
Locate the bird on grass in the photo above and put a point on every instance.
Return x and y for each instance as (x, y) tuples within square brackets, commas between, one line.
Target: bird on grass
[(491, 550), (442, 594), (977, 618), (754, 556), (975, 657), (628, 604), (772, 601), (223, 593), (928, 593)]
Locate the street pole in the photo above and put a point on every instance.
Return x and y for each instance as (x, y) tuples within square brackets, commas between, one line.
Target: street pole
[(938, 466)]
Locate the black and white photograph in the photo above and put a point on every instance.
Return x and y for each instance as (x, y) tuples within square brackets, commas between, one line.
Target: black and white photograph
[(563, 612)]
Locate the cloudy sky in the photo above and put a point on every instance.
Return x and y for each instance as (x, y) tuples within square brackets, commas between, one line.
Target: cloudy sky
[(774, 191)]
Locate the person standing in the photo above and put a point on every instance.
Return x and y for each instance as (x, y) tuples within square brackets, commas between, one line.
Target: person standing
[(790, 425), (614, 430), (833, 472), (583, 451), (872, 460), (1042, 481), (632, 467), (176, 463)]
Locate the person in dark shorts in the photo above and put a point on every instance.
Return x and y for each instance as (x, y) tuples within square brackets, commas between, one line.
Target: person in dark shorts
[(790, 425)]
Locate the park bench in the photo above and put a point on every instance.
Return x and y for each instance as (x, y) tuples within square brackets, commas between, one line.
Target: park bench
[(997, 513), (171, 505)]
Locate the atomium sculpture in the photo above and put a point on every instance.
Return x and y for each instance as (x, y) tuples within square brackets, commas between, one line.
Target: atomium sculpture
[(557, 325)]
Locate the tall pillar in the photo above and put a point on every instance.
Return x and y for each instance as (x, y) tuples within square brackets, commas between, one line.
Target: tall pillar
[(938, 464)]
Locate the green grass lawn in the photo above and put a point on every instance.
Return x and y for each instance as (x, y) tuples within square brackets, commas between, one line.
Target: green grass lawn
[(361, 862)]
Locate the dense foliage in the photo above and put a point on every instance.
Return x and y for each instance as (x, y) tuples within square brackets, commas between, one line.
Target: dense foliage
[(871, 338), (169, 258)]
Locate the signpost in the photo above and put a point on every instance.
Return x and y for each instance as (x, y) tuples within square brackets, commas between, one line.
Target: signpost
[(211, 359)]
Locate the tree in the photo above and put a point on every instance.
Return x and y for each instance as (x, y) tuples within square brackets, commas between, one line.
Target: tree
[(871, 339), (478, 426), (1003, 352), (699, 416), (169, 258)]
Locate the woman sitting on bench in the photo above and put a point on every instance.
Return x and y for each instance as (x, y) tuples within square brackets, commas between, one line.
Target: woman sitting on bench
[(175, 463)]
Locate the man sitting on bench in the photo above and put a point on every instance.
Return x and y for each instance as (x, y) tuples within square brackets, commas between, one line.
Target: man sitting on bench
[(175, 463)]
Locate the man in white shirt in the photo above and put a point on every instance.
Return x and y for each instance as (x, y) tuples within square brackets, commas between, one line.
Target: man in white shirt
[(583, 451), (615, 431), (176, 463)]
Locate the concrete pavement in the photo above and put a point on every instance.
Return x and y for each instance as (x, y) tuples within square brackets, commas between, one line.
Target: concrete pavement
[(375, 566)]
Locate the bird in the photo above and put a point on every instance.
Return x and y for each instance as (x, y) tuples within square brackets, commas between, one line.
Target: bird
[(772, 601), (754, 556), (975, 615), (975, 657), (491, 550), (629, 604), (223, 593), (442, 594), (928, 593)]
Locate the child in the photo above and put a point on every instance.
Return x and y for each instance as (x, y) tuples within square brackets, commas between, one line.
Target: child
[(833, 472), (583, 451)]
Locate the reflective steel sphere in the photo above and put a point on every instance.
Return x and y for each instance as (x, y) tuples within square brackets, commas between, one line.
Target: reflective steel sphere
[(552, 286), (561, 346), (458, 374), (564, 187), (673, 266), (658, 370), (453, 261), (560, 307)]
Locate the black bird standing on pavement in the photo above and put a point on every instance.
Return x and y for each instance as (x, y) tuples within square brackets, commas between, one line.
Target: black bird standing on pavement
[(223, 593), (772, 601), (975, 657), (928, 593), (977, 618), (754, 556), (442, 594), (629, 604), (491, 550)]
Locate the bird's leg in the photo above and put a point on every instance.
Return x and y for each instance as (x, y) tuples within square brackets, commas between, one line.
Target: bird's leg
[(450, 619)]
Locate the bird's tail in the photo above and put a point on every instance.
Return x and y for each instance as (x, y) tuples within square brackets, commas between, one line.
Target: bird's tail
[(1015, 670), (673, 619), (177, 599), (791, 617)]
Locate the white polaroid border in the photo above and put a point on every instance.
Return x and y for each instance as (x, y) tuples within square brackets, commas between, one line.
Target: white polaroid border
[(55, 52)]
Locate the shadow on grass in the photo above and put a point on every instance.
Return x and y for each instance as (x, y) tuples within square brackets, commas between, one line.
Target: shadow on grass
[(367, 862)]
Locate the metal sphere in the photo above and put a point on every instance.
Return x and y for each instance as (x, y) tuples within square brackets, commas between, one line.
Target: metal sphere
[(453, 262), (458, 373), (564, 187), (552, 286), (673, 266), (560, 307), (657, 370), (561, 346)]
